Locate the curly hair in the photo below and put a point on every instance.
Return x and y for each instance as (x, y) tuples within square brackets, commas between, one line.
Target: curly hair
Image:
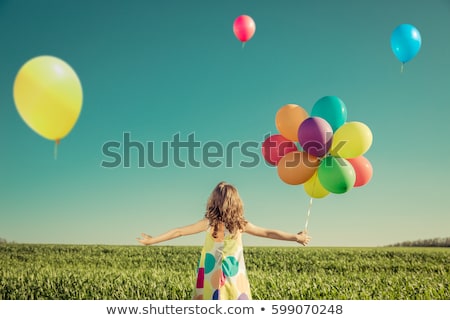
[(225, 206)]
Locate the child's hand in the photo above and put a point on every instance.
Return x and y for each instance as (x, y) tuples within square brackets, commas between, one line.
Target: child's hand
[(146, 239), (303, 238)]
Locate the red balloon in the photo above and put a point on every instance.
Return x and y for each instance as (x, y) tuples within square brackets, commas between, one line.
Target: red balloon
[(244, 28), (275, 147), (363, 170)]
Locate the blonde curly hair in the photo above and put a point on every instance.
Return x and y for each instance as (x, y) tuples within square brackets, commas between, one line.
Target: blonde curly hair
[(225, 206)]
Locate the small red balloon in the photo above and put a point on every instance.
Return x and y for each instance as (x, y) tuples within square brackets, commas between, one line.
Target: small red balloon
[(244, 28)]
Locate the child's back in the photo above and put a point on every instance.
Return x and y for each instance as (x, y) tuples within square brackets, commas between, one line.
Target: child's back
[(221, 274)]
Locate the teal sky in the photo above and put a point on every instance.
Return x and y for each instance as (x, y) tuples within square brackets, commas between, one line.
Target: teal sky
[(155, 69)]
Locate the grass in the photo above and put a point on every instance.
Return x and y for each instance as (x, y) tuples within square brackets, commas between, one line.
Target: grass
[(91, 272)]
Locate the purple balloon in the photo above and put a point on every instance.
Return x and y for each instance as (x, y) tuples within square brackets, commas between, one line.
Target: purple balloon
[(315, 136)]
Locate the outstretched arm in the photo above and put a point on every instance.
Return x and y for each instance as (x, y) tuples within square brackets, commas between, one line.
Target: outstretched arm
[(197, 227), (301, 237)]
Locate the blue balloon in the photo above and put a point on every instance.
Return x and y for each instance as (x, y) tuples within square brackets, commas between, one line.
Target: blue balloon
[(332, 109), (405, 42)]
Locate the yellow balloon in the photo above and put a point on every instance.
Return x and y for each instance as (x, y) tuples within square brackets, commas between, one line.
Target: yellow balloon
[(314, 188), (351, 140), (48, 96)]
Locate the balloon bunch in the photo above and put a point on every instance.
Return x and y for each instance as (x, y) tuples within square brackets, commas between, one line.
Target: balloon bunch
[(48, 96), (322, 151)]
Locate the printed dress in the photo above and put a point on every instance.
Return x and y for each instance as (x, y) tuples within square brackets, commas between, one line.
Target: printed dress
[(221, 273)]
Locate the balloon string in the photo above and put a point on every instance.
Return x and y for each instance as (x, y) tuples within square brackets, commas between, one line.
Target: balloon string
[(401, 68), (310, 202), (309, 213), (55, 150), (243, 44)]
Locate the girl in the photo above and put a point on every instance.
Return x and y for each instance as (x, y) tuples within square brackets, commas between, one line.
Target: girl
[(221, 273)]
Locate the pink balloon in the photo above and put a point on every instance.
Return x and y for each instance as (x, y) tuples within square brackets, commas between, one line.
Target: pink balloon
[(244, 28), (275, 147), (363, 170)]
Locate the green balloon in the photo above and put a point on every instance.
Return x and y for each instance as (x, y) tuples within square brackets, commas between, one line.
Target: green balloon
[(336, 174)]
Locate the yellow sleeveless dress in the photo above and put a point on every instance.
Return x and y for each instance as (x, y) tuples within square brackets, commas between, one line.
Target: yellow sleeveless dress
[(221, 272)]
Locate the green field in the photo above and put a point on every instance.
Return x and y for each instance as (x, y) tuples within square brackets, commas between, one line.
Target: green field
[(284, 273)]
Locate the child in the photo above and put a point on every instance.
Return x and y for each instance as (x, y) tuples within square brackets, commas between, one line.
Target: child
[(221, 273)]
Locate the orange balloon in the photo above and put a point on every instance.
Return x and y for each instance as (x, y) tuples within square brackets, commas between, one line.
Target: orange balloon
[(297, 167), (288, 119)]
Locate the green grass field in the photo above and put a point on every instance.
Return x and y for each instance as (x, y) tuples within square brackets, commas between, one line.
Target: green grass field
[(68, 272)]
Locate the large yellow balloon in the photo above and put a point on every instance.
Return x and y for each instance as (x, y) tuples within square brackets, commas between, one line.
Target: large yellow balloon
[(314, 188), (351, 140), (288, 119), (48, 96)]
